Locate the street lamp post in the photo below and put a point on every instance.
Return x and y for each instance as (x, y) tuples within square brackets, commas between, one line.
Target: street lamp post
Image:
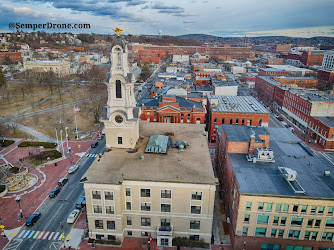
[(61, 138), (57, 137), (18, 199), (66, 136)]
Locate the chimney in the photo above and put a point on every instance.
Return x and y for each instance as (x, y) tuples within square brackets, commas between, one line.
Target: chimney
[(252, 147), (248, 124)]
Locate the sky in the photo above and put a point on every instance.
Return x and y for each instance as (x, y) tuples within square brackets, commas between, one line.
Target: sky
[(296, 18)]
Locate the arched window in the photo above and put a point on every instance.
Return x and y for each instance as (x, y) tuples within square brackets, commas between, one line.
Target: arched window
[(118, 89)]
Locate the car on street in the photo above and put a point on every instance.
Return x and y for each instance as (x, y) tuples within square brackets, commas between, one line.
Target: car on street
[(54, 192), (73, 216), (62, 181), (284, 123), (81, 202), (100, 137), (94, 144), (280, 118), (72, 169), (33, 218)]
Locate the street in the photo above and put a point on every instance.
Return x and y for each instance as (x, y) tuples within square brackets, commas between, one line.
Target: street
[(46, 233)]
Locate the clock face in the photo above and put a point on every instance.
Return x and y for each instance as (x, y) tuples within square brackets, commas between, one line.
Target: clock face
[(118, 119)]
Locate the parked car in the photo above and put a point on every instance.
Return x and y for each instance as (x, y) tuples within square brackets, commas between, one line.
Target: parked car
[(81, 202), (62, 181), (73, 216), (280, 118), (94, 144), (292, 129), (284, 123), (54, 192), (33, 218), (72, 169), (100, 137)]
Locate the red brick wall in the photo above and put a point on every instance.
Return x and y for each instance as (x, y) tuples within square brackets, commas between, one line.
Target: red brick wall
[(308, 58), (295, 104), (13, 56), (327, 76), (301, 82)]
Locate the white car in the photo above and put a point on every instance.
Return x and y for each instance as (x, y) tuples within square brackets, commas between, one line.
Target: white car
[(284, 123), (72, 169), (73, 216)]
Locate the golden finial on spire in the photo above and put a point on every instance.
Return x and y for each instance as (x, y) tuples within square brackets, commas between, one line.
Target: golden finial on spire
[(118, 31)]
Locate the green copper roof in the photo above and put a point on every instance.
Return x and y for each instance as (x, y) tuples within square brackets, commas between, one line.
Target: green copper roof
[(157, 144)]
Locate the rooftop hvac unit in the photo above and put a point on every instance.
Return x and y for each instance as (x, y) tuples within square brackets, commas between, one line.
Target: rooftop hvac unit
[(289, 174), (327, 173)]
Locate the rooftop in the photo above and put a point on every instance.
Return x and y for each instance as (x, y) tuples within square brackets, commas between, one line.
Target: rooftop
[(193, 165), (290, 152), (242, 133), (288, 68), (328, 121), (244, 104), (313, 95), (219, 83)]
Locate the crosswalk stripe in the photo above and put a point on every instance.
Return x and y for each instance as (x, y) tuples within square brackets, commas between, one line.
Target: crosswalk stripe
[(40, 235), (36, 235), (55, 237), (50, 237), (32, 235), (22, 233), (45, 235), (68, 237), (14, 233), (27, 235)]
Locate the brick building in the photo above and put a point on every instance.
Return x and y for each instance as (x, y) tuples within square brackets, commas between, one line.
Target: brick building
[(311, 58), (282, 48), (172, 109), (198, 58), (325, 76), (273, 72), (321, 129), (233, 52), (236, 110), (201, 66), (150, 56), (13, 56), (302, 82), (272, 199)]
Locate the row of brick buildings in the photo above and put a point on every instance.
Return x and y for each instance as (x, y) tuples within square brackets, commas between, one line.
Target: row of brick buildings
[(311, 111)]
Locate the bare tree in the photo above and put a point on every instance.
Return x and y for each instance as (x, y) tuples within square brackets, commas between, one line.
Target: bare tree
[(13, 126), (95, 108)]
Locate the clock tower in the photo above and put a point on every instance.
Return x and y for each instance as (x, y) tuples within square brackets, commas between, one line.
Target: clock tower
[(122, 116)]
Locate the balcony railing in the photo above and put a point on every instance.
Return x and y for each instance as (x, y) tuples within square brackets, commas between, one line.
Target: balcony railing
[(164, 231)]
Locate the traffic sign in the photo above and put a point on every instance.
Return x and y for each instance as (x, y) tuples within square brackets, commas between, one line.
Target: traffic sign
[(79, 145), (2, 226)]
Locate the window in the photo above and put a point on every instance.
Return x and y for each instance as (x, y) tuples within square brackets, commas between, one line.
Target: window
[(128, 205), (278, 207), (260, 232), (110, 210), (307, 235), (243, 121), (128, 192), (146, 234), (195, 209), (330, 211), (97, 209), (246, 219), (118, 89), (295, 208), (245, 231), (145, 193), (260, 206), (165, 208), (109, 195), (262, 219), (260, 122), (194, 237), (296, 221), (248, 205), (275, 221), (111, 237), (321, 210), (303, 210), (231, 121), (327, 236), (314, 235), (317, 223), (270, 247), (195, 224), (129, 220), (196, 195), (96, 195), (283, 221), (145, 206), (285, 208), (99, 236), (223, 120), (273, 233), (145, 222), (166, 194), (129, 233), (119, 140), (165, 223), (215, 120), (237, 121), (294, 234), (99, 224), (269, 206), (329, 223), (310, 223), (313, 209), (280, 233), (111, 225)]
